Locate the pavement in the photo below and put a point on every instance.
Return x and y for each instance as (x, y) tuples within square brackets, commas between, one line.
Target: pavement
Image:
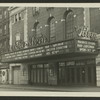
[(49, 88)]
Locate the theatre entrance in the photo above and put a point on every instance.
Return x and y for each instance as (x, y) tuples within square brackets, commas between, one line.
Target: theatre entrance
[(39, 73), (82, 72), (73, 72)]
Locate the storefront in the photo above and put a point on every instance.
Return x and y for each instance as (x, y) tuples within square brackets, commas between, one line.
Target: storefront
[(68, 62), (71, 71)]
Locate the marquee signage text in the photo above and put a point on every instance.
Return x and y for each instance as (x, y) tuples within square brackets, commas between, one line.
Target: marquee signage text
[(57, 48), (84, 33), (51, 49), (86, 46)]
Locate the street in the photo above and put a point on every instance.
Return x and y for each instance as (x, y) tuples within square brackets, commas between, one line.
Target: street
[(48, 88)]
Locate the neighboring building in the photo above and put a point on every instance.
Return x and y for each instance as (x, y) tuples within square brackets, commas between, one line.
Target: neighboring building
[(52, 46), (4, 42), (95, 18)]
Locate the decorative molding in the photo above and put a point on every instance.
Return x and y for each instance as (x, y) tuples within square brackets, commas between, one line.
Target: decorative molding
[(50, 15), (40, 26), (46, 25), (62, 20), (33, 30), (36, 20), (56, 22)]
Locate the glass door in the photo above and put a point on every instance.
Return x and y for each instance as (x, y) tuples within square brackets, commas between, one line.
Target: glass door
[(46, 69), (33, 74), (40, 73), (83, 75), (70, 72), (61, 72)]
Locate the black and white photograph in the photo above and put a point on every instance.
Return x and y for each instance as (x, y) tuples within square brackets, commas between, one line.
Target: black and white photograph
[(49, 48)]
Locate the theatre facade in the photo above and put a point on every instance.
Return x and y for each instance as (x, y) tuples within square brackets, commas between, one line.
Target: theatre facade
[(51, 46)]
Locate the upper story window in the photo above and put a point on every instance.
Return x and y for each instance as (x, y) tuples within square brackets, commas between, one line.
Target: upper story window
[(52, 29), (5, 14), (1, 45), (49, 8), (0, 16), (0, 30), (69, 22), (5, 28), (35, 10), (12, 19), (17, 37), (37, 29), (17, 17)]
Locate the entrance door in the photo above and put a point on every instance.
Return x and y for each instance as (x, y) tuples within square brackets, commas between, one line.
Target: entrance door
[(85, 75), (61, 73), (91, 75), (33, 74), (16, 75), (40, 73), (37, 74), (81, 75), (46, 69)]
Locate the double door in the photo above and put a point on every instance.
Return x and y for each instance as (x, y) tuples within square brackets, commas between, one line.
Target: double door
[(39, 74), (16, 75), (77, 75)]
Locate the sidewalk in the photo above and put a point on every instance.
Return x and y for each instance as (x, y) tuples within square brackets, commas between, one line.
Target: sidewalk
[(51, 88)]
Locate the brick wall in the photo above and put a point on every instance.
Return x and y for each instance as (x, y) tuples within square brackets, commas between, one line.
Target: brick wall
[(95, 20), (18, 27), (58, 13)]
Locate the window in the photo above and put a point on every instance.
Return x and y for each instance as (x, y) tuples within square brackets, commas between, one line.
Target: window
[(52, 30), (12, 19), (37, 30), (36, 10), (0, 30), (1, 45), (5, 44), (19, 16), (17, 36), (69, 23), (16, 18), (49, 8), (0, 16), (5, 14), (5, 28)]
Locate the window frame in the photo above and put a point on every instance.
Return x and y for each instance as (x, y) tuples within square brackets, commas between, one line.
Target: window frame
[(37, 28), (52, 30), (69, 24), (17, 34)]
